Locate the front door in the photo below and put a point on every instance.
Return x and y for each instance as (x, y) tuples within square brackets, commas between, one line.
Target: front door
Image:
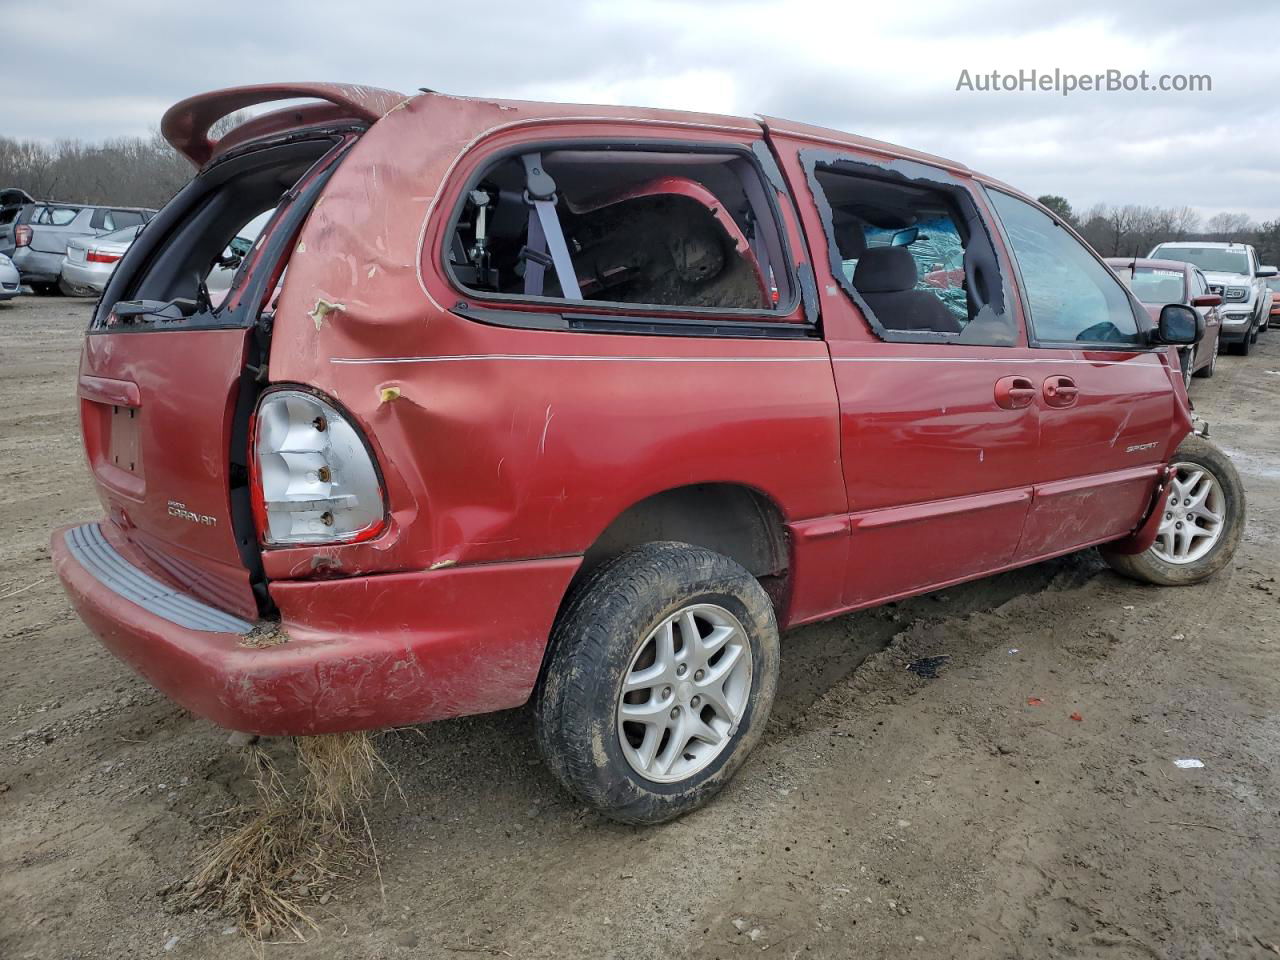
[(1110, 414)]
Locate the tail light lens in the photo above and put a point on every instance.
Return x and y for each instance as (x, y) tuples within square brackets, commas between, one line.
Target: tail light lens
[(22, 236), (97, 256), (314, 479)]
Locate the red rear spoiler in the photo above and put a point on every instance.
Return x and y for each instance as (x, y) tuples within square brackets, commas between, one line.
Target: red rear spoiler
[(186, 124)]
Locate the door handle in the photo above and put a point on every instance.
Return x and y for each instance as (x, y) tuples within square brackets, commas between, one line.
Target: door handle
[(1060, 391), (1013, 393)]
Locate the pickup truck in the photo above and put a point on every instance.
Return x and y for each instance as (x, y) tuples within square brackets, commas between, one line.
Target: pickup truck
[(1234, 273), (585, 406)]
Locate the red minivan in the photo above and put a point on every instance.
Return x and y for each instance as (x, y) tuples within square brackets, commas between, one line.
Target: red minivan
[(586, 404)]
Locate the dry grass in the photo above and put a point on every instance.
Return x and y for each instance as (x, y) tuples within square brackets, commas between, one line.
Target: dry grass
[(303, 834)]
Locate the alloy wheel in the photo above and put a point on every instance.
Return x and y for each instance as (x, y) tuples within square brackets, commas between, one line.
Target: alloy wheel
[(1194, 515), (684, 693)]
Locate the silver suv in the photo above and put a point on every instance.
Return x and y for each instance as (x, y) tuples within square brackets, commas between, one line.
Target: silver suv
[(40, 231), (1233, 272)]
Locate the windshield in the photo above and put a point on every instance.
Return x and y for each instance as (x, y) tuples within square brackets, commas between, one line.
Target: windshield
[(1154, 285), (1216, 259)]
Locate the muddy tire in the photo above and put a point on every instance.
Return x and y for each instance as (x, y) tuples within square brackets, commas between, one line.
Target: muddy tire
[(662, 672), (1203, 523)]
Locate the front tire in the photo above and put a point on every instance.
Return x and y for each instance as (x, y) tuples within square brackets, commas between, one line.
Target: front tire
[(1202, 525), (662, 673)]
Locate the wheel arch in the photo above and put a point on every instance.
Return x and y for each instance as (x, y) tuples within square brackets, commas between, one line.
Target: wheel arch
[(733, 519)]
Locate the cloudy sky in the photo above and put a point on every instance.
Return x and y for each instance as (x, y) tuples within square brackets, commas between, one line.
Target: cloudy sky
[(886, 70)]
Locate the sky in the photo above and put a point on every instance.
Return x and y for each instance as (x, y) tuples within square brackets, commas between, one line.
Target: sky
[(95, 70)]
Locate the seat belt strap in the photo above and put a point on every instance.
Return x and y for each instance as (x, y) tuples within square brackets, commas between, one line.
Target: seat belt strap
[(540, 194), (536, 259)]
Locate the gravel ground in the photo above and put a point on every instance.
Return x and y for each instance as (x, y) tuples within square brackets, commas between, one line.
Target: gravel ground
[(884, 815)]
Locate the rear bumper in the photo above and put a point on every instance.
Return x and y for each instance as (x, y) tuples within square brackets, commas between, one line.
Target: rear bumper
[(36, 266), (86, 276), (361, 653)]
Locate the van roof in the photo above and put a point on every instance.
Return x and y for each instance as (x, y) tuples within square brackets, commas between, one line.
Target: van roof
[(186, 124)]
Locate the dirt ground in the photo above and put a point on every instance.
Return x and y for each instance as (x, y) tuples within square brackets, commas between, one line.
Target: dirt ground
[(884, 815)]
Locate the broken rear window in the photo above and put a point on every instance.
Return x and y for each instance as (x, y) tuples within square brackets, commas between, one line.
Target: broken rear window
[(666, 229)]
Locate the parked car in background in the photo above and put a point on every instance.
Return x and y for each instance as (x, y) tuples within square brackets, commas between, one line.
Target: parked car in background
[(1157, 282), (1234, 273), (1270, 303), (89, 261), (10, 282), (12, 202), (587, 405), (42, 230), (1273, 284)]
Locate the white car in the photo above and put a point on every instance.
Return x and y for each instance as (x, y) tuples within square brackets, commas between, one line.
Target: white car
[(10, 284), (1233, 272)]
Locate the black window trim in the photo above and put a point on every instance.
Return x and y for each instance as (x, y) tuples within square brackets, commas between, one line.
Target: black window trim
[(598, 316), (285, 224), (1141, 318)]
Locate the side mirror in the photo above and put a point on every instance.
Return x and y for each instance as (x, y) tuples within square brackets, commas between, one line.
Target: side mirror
[(1266, 271), (1207, 300), (1179, 325)]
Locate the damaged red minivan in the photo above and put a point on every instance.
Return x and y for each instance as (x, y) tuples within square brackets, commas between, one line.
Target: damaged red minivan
[(586, 404)]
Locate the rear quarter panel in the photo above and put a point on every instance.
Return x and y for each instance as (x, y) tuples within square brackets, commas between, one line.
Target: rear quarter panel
[(503, 444)]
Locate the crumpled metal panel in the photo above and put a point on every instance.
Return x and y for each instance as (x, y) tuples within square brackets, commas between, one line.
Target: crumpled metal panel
[(522, 443)]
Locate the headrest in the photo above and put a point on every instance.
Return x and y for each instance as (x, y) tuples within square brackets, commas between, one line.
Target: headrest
[(885, 270), (850, 240)]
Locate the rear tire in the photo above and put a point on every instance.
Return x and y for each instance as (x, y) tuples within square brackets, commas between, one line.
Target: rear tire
[(1207, 478), (694, 710)]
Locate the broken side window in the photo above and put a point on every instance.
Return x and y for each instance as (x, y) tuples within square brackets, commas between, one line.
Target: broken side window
[(623, 226), (911, 251)]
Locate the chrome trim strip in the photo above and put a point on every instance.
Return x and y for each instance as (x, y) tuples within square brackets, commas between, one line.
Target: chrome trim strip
[(589, 359), (1136, 361)]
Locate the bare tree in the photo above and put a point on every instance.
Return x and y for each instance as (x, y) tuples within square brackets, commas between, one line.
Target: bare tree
[(1228, 226), (1185, 221), (129, 171)]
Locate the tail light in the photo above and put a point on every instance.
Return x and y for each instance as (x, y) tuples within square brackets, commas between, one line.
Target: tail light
[(97, 256), (22, 236), (314, 479)]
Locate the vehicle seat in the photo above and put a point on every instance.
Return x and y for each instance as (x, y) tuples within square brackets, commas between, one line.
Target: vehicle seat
[(886, 279), (850, 239)]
